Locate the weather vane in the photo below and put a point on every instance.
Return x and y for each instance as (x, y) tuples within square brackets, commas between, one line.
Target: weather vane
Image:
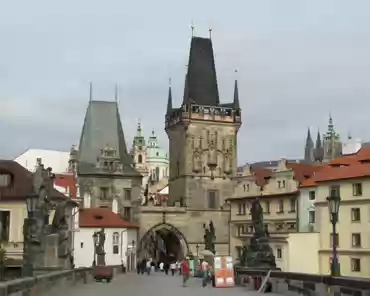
[(192, 28)]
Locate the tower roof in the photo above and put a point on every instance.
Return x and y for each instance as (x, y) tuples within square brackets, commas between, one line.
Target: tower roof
[(201, 80), (102, 127)]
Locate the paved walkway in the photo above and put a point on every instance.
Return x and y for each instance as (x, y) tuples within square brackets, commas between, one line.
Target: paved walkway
[(156, 284)]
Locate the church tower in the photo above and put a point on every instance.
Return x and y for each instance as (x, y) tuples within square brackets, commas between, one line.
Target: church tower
[(332, 145), (202, 135)]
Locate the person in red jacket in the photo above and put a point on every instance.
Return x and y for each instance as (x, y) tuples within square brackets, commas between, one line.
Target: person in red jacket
[(185, 270)]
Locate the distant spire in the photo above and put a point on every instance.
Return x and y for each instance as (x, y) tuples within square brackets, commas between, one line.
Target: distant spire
[(236, 93), (210, 33), (90, 91), (169, 101), (309, 148), (192, 28), (139, 130), (319, 152), (116, 93)]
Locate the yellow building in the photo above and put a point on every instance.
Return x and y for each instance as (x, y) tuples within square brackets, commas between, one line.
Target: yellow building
[(277, 190), (348, 177), (16, 184)]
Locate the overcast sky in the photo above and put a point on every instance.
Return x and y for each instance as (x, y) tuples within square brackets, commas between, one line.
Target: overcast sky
[(297, 60)]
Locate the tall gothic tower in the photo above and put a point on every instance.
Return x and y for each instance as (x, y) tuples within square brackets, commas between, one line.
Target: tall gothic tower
[(202, 135)]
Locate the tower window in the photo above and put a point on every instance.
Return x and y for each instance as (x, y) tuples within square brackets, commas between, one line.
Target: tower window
[(212, 199), (140, 158)]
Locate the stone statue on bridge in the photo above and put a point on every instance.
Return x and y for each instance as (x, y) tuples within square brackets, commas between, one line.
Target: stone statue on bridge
[(210, 237), (258, 254)]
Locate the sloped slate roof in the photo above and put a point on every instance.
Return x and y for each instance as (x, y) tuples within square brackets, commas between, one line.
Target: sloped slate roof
[(102, 127), (201, 80)]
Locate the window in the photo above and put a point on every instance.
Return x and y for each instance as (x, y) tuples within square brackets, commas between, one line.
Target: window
[(127, 213), (267, 207), (334, 237), (4, 226), (239, 251), (279, 184), (283, 183), (357, 189), (292, 204), (242, 229), (127, 194), (279, 253), (157, 175), (334, 190), (355, 214), (241, 208), (356, 240), (212, 199), (281, 206), (312, 195), (311, 216), (103, 193), (115, 243), (355, 264), (140, 158), (81, 245), (4, 180)]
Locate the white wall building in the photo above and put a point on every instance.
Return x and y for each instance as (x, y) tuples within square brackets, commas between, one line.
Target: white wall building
[(57, 160), (121, 238)]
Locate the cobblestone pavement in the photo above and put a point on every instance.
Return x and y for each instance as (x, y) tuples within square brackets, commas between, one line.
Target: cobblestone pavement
[(131, 284)]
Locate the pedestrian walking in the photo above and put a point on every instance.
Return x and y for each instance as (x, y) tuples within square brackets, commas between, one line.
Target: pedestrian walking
[(148, 266), (205, 273), (185, 266), (173, 268)]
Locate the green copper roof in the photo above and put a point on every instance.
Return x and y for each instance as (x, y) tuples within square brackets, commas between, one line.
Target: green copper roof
[(102, 127)]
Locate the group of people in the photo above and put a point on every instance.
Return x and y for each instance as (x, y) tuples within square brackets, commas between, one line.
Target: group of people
[(176, 267)]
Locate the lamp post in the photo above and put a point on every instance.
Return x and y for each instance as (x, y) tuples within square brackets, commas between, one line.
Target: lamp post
[(197, 247), (333, 205), (95, 241), (28, 229), (133, 255)]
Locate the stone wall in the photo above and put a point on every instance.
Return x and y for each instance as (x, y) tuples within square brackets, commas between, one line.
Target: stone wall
[(291, 283), (54, 283)]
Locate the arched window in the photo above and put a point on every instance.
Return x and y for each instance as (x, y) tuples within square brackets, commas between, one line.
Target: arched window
[(115, 243), (157, 173), (140, 158)]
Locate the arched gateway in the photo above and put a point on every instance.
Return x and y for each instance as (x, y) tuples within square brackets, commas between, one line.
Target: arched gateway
[(163, 242)]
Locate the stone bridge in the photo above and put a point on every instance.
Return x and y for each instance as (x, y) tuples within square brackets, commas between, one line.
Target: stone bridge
[(79, 282)]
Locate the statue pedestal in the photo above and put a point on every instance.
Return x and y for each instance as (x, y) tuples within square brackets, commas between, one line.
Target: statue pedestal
[(259, 255)]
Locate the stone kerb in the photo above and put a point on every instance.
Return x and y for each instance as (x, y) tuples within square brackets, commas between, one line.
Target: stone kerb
[(54, 283), (291, 283)]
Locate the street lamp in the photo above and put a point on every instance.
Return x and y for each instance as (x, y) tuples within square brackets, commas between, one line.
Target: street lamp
[(95, 240), (197, 247), (333, 205)]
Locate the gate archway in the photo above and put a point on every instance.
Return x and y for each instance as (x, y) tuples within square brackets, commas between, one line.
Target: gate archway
[(163, 242)]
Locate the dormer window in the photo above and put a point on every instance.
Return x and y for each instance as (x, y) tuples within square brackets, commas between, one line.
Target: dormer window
[(5, 180)]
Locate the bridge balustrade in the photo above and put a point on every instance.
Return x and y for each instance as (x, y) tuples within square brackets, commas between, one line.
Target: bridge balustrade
[(291, 283)]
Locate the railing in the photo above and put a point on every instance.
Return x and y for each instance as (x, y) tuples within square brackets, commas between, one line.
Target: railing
[(290, 283), (53, 283)]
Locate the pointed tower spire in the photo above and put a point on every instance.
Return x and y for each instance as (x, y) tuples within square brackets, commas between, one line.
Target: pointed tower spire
[(116, 93), (139, 130), (236, 93), (318, 148), (201, 85), (169, 101), (309, 148), (90, 91)]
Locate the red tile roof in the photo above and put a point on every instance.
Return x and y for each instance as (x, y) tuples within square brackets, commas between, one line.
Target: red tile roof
[(67, 181), (346, 167), (21, 183), (261, 175), (303, 171), (103, 218)]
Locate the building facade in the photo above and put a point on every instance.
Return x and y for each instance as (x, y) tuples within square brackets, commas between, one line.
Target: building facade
[(120, 243), (277, 191), (348, 177)]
